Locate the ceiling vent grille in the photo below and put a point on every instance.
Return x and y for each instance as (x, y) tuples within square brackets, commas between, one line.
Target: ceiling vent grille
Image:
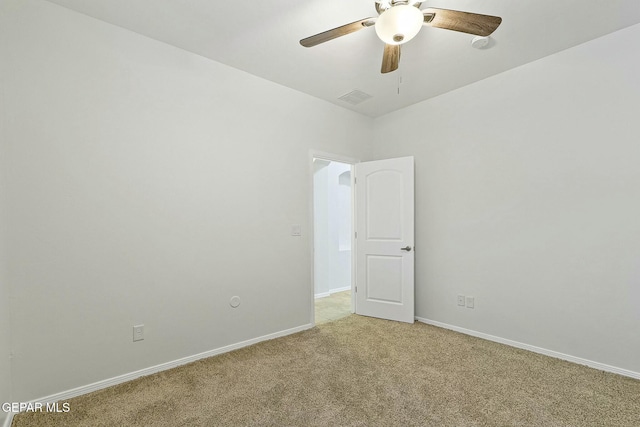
[(355, 97)]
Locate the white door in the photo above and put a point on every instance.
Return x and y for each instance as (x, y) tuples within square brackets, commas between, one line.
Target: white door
[(385, 239)]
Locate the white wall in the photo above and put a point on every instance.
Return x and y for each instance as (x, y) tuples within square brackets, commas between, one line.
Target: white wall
[(148, 185), (5, 348), (5, 294), (527, 198), (5, 325), (340, 225), (321, 253), (332, 226)]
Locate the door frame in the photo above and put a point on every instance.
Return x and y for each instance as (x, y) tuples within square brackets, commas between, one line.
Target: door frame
[(332, 157)]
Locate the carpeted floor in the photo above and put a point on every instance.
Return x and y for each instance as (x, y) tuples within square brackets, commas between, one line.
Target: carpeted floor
[(359, 371)]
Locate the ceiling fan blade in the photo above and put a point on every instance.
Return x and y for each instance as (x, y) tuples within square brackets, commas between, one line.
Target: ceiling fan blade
[(465, 22), (337, 32), (390, 58)]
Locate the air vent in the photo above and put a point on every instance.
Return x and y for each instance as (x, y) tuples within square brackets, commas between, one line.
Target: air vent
[(355, 97)]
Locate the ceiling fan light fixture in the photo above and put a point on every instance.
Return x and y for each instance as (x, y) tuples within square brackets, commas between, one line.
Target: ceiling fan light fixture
[(399, 24)]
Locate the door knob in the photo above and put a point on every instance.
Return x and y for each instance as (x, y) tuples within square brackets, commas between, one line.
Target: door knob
[(407, 248)]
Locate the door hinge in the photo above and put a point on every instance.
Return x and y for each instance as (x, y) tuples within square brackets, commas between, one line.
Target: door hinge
[(356, 233), (355, 180)]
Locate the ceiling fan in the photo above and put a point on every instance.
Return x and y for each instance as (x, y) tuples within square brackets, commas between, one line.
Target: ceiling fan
[(401, 20)]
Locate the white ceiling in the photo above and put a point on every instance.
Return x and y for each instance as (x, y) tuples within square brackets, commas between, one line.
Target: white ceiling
[(262, 38)]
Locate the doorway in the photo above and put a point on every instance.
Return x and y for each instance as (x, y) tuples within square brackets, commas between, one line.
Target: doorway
[(332, 241)]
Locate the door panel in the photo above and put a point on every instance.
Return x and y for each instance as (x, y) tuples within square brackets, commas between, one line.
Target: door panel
[(385, 225), (384, 205), (384, 279)]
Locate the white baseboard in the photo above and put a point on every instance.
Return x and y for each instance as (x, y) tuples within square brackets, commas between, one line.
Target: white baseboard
[(332, 291), (162, 367), (551, 353)]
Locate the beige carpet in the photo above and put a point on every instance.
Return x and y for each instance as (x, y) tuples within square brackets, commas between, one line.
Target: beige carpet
[(360, 371)]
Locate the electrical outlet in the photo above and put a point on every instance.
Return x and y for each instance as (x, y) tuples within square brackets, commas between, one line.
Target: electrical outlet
[(234, 301), (138, 332), (470, 302), (461, 300)]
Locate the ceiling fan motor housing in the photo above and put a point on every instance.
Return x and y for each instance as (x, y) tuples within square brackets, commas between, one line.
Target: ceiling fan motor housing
[(382, 5)]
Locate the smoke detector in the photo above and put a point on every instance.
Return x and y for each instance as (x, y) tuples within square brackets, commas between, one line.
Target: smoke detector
[(480, 42)]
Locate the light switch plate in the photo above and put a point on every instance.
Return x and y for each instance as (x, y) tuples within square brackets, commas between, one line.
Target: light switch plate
[(296, 230), (138, 332)]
